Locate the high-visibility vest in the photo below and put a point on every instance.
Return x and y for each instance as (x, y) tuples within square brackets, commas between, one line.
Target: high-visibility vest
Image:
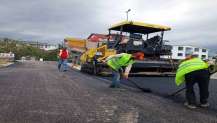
[(118, 62), (187, 67)]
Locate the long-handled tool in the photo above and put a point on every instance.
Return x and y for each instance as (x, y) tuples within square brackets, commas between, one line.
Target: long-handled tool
[(177, 92), (182, 89), (146, 90)]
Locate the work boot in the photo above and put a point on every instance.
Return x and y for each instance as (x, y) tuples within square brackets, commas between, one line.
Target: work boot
[(190, 106), (112, 86), (118, 86), (59, 66), (204, 105)]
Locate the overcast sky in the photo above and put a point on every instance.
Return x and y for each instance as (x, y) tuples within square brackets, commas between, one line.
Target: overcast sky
[(193, 22)]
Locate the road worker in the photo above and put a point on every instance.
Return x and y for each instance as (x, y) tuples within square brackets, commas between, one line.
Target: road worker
[(63, 56), (194, 70), (117, 63)]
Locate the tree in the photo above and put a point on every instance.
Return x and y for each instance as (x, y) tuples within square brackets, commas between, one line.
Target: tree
[(19, 49)]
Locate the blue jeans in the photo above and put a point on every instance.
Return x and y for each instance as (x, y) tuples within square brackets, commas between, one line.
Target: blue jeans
[(64, 63), (116, 78)]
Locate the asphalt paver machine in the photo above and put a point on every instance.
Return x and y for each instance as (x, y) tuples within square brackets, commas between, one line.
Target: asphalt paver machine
[(153, 56), (145, 41)]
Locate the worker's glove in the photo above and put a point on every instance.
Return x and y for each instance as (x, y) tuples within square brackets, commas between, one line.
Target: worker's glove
[(125, 75), (103, 61)]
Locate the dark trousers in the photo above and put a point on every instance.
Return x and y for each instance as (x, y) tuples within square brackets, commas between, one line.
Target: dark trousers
[(201, 77)]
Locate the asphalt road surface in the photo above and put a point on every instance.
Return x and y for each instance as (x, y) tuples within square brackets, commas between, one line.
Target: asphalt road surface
[(165, 86), (36, 92)]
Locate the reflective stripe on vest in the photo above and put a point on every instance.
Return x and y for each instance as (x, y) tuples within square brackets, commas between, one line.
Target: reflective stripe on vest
[(117, 63), (187, 67)]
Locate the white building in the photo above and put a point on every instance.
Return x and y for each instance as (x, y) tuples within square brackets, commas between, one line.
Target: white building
[(44, 46), (47, 47), (179, 52), (7, 56)]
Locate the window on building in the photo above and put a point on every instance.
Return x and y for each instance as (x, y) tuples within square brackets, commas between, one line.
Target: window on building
[(203, 56), (196, 49), (203, 50), (180, 54), (180, 48), (188, 49), (196, 55)]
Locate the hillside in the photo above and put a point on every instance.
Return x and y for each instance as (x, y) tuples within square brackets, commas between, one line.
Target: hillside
[(20, 49)]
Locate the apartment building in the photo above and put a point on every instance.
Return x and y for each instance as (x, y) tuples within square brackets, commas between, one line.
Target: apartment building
[(179, 52), (44, 46)]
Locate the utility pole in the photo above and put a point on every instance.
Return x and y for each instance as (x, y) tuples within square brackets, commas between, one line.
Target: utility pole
[(6, 43), (127, 13)]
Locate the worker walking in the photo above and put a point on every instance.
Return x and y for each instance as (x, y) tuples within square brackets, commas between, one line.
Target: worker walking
[(117, 63), (63, 56), (194, 70)]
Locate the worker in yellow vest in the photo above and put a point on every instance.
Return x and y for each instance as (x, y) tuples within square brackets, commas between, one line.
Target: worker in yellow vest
[(194, 70), (117, 63)]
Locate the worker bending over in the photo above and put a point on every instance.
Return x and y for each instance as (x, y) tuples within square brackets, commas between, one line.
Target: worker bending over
[(194, 70), (117, 63)]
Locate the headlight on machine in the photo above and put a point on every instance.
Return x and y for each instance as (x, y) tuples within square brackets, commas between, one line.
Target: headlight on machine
[(137, 43)]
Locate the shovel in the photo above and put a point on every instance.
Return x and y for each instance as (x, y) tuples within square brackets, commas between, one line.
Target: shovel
[(182, 89)]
